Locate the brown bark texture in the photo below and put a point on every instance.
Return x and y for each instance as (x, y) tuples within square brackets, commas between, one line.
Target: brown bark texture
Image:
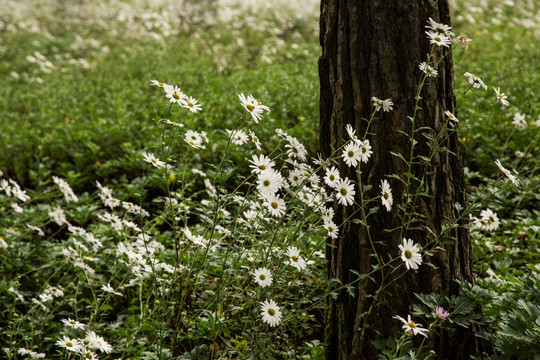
[(373, 48)]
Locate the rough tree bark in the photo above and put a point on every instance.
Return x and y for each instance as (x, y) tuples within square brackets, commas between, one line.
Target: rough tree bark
[(373, 48)]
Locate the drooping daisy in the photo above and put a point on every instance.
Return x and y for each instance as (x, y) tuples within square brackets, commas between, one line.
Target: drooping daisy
[(351, 132), (331, 228), (151, 159), (263, 277), (385, 105), (74, 324), (58, 216), (507, 173), (464, 41), (295, 259), (451, 116), (475, 81), (386, 195), (17, 208), (69, 344), (411, 327), (365, 150), (66, 190), (96, 342), (519, 121), (332, 176), (410, 254), (269, 182), (328, 214), (173, 123), (439, 28), (275, 205), (501, 97), (195, 139), (428, 70), (345, 192), (36, 229), (270, 312), (438, 39), (252, 107), (351, 154), (296, 148)]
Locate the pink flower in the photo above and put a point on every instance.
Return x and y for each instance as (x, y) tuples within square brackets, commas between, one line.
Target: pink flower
[(441, 313)]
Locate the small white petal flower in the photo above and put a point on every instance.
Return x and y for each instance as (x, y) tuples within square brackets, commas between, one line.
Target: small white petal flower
[(151, 159), (410, 254), (386, 195), (270, 312), (262, 277), (411, 327)]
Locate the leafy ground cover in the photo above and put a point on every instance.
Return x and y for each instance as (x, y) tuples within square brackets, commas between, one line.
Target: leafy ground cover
[(140, 259)]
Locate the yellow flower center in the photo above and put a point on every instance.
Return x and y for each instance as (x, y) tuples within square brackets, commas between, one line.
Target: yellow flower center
[(350, 154), (89, 355), (364, 149), (266, 182), (437, 38), (274, 204), (154, 160), (408, 254), (190, 104), (411, 324), (262, 277), (294, 258), (343, 191), (176, 96), (249, 107), (386, 196), (69, 344), (72, 322), (332, 177), (272, 312), (160, 84), (330, 229), (262, 167)]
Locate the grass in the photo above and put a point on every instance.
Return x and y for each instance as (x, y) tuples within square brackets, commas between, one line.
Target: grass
[(77, 103)]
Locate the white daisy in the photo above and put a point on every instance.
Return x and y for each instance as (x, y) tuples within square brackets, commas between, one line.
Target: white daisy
[(475, 81), (260, 163), (270, 312), (507, 173), (385, 105), (351, 154), (345, 192), (438, 39), (69, 344), (351, 132), (252, 107), (451, 116), (439, 28), (74, 324), (386, 195), (332, 176), (519, 121), (191, 104), (428, 70), (295, 259), (411, 327), (365, 150), (195, 139), (501, 97), (275, 205), (296, 148), (238, 137), (96, 342), (255, 140), (410, 254), (488, 220), (269, 182), (157, 83), (151, 159), (173, 123), (331, 229), (109, 289), (296, 176), (263, 277), (174, 94)]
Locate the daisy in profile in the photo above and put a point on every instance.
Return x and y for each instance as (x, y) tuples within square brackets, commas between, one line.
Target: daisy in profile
[(96, 342), (365, 150), (332, 176), (151, 159), (255, 140), (439, 28), (438, 39), (275, 205), (428, 70), (270, 312), (260, 163), (173, 123), (386, 195), (410, 254), (194, 139), (451, 116), (411, 327), (269, 182), (385, 105), (351, 133), (70, 344), (262, 277), (351, 154), (191, 104), (345, 192), (74, 324), (475, 81), (295, 259), (507, 173), (109, 289), (296, 148), (331, 228), (464, 41), (157, 83), (501, 97), (65, 189)]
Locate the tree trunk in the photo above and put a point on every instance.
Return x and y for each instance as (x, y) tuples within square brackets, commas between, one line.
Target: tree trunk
[(373, 48)]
